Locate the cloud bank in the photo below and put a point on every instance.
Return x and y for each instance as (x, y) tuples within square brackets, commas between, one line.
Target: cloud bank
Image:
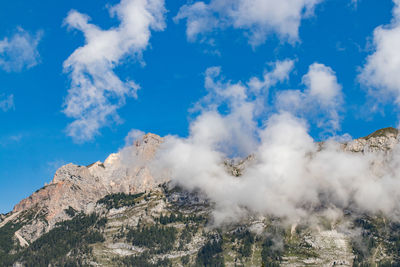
[(291, 176), (19, 51), (96, 91), (257, 18)]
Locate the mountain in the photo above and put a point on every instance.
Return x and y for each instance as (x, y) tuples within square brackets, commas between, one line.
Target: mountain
[(116, 214)]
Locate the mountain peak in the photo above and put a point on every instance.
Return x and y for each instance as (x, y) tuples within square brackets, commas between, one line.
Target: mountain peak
[(383, 139), (389, 132), (77, 186)]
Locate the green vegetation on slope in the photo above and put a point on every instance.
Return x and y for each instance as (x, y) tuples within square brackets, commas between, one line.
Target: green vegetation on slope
[(7, 244), (211, 254), (68, 237), (155, 237), (119, 200), (163, 234), (144, 260), (377, 235), (65, 245), (179, 217)]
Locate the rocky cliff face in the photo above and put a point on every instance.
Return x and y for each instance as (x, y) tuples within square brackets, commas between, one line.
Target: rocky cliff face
[(79, 187), (382, 140)]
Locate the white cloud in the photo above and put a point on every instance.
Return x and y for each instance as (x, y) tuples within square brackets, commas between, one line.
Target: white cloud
[(257, 18), (381, 70), (236, 128), (7, 102), (19, 51), (322, 99), (354, 3), (281, 71), (291, 176), (96, 91), (11, 139)]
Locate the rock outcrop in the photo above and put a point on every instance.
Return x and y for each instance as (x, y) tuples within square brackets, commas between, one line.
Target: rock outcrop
[(79, 187), (382, 140)]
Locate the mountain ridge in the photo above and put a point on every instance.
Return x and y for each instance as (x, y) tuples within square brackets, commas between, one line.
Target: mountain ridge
[(112, 190)]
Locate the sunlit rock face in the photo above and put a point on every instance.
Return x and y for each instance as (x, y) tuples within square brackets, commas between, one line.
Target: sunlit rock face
[(79, 187), (381, 140)]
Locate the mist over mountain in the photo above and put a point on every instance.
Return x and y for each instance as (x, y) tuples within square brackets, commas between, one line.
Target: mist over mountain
[(313, 203)]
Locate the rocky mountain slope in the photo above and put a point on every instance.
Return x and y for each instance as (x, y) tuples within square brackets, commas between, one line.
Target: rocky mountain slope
[(79, 187), (117, 214)]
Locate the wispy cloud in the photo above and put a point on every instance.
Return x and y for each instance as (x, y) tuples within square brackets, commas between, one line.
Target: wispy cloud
[(7, 102), (54, 165), (19, 51), (257, 18), (96, 91), (11, 139)]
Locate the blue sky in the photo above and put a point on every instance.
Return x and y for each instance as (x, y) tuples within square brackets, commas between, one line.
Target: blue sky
[(35, 139)]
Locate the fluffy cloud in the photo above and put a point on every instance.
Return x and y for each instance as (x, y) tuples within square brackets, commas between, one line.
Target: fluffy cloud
[(234, 131), (322, 99), (381, 70), (281, 71), (96, 91), (6, 102), (291, 175), (257, 18), (19, 51)]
